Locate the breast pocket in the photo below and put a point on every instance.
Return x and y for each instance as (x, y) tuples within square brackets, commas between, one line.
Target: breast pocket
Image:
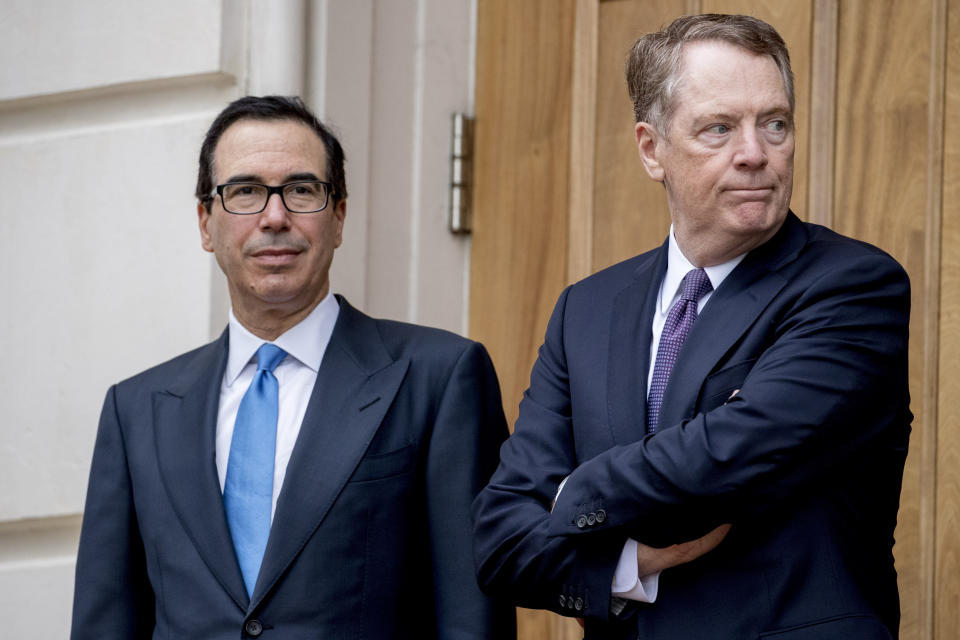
[(719, 386), (386, 465)]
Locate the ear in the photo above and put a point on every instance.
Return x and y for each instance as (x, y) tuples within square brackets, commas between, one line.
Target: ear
[(339, 213), (203, 219), (648, 143)]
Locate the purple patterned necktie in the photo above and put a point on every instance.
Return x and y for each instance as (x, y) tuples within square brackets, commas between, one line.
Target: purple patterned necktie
[(680, 318)]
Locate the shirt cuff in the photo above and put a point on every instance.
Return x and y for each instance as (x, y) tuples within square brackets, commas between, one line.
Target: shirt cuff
[(627, 584)]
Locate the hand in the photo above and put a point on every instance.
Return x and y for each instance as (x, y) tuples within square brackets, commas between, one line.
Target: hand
[(651, 560)]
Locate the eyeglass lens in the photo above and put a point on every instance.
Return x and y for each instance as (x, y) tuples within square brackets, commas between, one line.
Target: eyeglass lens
[(298, 197)]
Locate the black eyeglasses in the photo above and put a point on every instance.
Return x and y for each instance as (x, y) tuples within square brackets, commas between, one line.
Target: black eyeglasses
[(245, 198)]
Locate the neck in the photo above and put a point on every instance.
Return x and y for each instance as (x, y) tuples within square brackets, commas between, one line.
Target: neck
[(271, 322), (710, 253)]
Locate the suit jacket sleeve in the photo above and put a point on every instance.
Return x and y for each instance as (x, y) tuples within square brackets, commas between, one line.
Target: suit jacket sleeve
[(112, 594), (463, 453), (828, 387), (824, 382), (515, 553)]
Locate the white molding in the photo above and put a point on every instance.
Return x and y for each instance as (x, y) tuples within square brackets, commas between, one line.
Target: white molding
[(278, 47), (343, 62)]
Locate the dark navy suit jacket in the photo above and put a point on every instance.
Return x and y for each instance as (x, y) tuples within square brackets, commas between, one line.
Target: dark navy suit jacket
[(805, 461), (371, 535)]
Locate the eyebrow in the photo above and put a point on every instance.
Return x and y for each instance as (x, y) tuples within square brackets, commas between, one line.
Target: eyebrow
[(728, 115), (252, 177)]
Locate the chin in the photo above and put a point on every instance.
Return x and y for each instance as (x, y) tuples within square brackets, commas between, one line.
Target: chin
[(276, 290), (757, 217)]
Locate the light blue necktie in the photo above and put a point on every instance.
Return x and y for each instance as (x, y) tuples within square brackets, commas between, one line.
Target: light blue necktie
[(248, 489)]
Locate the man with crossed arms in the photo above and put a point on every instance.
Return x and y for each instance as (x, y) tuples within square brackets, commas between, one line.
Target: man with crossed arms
[(713, 439)]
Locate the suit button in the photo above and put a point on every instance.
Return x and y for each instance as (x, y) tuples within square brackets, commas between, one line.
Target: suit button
[(601, 515), (563, 600), (253, 628), (581, 521), (578, 604), (591, 519)]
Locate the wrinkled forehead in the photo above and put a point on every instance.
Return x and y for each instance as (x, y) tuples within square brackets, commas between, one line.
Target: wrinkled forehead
[(719, 71), (257, 149)]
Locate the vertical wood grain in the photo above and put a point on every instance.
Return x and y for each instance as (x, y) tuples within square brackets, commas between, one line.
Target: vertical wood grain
[(947, 598), (583, 139), (883, 178), (521, 200), (630, 210), (518, 255), (823, 114), (934, 579)]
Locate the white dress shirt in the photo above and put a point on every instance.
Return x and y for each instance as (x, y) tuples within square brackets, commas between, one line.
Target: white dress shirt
[(305, 344), (626, 581)]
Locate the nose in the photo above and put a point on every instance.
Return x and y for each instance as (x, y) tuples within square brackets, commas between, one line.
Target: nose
[(275, 216), (751, 151)]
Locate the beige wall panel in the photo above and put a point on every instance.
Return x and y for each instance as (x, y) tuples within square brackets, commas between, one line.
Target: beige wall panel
[(36, 577), (883, 102), (440, 259), (392, 139), (419, 63), (342, 95), (947, 603), (69, 46), (104, 277), (43, 589)]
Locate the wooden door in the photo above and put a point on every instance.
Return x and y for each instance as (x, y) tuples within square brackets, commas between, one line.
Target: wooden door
[(560, 193)]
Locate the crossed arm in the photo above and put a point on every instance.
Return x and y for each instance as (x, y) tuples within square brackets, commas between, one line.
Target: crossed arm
[(804, 408)]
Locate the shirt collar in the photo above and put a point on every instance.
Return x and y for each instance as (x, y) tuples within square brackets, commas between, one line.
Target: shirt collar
[(678, 266), (306, 341)]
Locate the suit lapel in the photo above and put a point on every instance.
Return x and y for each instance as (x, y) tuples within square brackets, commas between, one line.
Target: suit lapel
[(185, 423), (728, 314), (629, 350), (355, 386)]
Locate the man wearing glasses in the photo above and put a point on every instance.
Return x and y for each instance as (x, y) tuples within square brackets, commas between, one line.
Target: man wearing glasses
[(309, 473)]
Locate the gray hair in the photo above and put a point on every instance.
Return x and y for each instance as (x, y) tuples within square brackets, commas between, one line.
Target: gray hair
[(655, 60)]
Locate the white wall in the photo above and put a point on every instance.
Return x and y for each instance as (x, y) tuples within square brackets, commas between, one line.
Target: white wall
[(389, 78), (101, 272)]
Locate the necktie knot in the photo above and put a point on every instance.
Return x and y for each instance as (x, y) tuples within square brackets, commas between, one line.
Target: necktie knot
[(269, 356), (696, 284)]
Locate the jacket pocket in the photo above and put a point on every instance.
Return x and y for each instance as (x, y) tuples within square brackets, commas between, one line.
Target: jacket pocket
[(385, 465), (718, 386), (860, 626)]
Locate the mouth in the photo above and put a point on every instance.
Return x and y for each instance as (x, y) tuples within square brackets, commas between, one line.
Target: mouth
[(749, 193), (275, 256)]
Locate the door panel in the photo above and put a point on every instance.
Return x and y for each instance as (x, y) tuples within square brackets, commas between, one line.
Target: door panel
[(560, 193)]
